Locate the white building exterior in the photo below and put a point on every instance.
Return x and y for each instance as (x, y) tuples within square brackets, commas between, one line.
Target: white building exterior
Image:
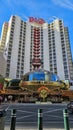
[(36, 44)]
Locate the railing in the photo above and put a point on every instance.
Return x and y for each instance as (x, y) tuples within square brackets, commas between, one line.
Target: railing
[(40, 119), (33, 116)]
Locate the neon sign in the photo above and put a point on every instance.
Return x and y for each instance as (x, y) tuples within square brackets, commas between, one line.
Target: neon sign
[(36, 20)]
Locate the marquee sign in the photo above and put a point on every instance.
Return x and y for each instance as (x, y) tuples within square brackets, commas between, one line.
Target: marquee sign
[(36, 20)]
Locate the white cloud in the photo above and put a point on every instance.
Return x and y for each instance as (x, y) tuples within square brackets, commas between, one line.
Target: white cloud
[(33, 7), (64, 3), (37, 5), (29, 4)]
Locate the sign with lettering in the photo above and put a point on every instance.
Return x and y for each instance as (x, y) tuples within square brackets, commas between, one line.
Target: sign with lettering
[(36, 20)]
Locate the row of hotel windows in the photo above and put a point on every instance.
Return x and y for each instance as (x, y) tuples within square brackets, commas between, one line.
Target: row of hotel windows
[(60, 23), (51, 52), (52, 69), (20, 63), (64, 58), (20, 71), (23, 24), (51, 32), (22, 38)]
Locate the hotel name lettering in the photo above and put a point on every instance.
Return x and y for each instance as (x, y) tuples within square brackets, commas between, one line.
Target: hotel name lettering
[(36, 20)]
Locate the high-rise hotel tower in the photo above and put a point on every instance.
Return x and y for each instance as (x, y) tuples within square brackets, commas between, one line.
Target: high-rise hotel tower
[(36, 44)]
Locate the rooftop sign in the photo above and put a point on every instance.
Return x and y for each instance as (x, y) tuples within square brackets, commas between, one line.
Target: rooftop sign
[(36, 20)]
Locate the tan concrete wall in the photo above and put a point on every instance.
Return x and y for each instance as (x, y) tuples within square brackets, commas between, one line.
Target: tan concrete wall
[(2, 65)]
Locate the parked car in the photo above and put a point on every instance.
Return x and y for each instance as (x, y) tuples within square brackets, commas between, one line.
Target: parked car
[(70, 107)]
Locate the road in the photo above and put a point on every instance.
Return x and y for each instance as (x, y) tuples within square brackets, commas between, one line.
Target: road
[(27, 115)]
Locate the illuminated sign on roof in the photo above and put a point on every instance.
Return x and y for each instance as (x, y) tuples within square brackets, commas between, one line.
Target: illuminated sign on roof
[(36, 20)]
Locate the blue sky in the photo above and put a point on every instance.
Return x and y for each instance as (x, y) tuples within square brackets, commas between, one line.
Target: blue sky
[(45, 9)]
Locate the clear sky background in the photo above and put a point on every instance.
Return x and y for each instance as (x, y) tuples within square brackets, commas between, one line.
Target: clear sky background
[(45, 9)]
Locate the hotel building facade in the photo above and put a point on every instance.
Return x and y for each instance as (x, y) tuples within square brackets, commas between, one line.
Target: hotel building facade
[(36, 44)]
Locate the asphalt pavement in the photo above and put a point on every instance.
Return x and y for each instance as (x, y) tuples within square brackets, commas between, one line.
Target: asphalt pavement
[(27, 116)]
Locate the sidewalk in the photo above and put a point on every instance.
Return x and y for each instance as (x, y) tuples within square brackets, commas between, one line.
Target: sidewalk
[(25, 128), (22, 128)]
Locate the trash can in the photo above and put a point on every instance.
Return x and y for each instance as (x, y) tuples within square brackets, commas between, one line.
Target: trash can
[(2, 119)]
